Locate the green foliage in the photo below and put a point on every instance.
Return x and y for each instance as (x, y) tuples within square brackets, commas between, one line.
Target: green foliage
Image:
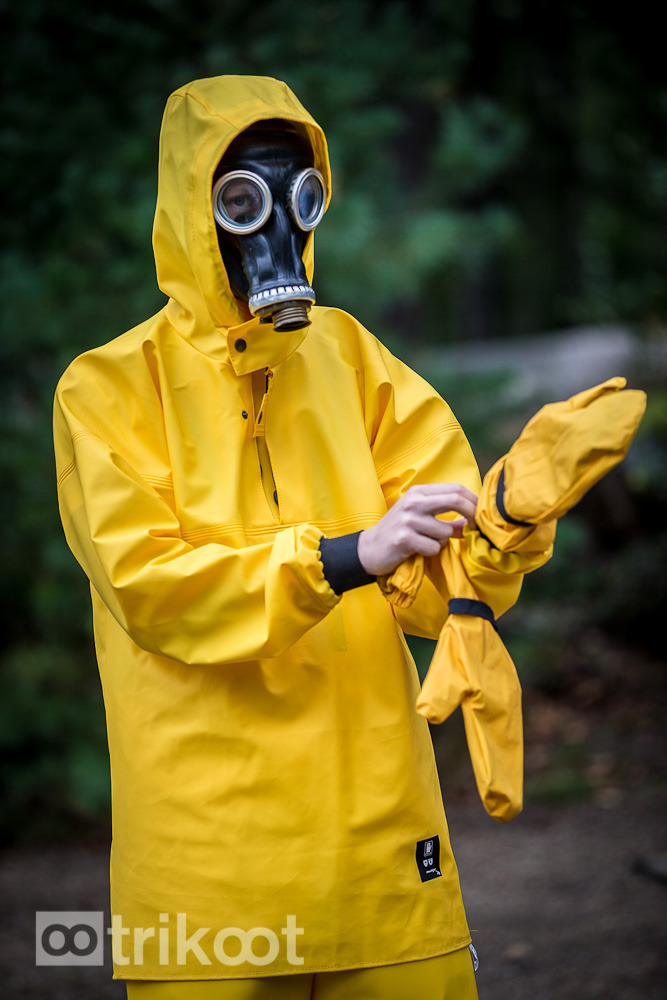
[(491, 174), (563, 783), (54, 766)]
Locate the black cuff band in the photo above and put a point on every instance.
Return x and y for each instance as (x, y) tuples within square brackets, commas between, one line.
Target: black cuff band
[(500, 503), (341, 563), (468, 606)]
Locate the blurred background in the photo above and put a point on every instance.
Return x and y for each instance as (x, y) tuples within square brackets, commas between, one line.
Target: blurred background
[(498, 219)]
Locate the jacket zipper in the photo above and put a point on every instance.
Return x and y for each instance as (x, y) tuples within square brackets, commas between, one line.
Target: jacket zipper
[(265, 465)]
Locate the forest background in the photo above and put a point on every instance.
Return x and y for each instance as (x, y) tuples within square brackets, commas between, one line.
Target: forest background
[(500, 173)]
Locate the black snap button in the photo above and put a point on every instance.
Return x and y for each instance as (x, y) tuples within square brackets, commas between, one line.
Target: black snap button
[(244, 414), (275, 496), (240, 345)]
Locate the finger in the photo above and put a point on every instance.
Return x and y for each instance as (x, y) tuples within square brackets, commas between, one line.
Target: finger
[(451, 502), (437, 498), (427, 488), (413, 522), (457, 528), (416, 510), (427, 526), (427, 546)]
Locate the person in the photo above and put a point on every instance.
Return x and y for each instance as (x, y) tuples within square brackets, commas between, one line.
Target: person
[(233, 476)]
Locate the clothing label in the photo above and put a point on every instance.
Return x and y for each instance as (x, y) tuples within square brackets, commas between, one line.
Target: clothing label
[(428, 858)]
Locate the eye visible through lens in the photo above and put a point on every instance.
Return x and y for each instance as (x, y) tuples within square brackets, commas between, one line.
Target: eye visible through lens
[(242, 202)]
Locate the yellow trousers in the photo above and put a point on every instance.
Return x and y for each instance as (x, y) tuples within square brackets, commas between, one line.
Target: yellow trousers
[(447, 977)]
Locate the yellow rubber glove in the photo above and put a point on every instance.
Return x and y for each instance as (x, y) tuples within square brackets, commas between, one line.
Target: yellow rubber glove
[(471, 668), (561, 452)]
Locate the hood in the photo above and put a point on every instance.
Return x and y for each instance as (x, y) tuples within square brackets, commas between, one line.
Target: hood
[(200, 121)]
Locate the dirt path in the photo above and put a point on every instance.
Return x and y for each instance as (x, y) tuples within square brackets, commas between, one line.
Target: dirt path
[(556, 906), (558, 909)]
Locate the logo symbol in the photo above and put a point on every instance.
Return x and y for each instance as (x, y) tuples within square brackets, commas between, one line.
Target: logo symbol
[(428, 848), (69, 937)]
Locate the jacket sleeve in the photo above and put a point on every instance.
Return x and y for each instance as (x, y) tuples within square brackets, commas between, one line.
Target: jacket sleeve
[(415, 438), (205, 604)]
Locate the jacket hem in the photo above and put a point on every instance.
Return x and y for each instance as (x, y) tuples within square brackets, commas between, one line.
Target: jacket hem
[(259, 973)]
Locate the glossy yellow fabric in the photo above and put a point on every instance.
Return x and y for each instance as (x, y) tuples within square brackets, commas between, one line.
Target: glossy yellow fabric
[(446, 977), (562, 451), (266, 759)]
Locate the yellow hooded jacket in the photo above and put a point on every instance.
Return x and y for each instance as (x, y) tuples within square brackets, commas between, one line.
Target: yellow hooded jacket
[(276, 806)]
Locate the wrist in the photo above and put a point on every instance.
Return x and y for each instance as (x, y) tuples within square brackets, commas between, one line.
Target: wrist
[(363, 554)]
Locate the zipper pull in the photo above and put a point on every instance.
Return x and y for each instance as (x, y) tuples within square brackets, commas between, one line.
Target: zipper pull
[(259, 428)]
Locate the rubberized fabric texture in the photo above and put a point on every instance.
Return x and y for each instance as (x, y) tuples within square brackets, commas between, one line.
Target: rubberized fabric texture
[(446, 977)]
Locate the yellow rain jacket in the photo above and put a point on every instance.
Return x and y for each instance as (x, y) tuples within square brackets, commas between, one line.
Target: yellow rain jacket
[(276, 806)]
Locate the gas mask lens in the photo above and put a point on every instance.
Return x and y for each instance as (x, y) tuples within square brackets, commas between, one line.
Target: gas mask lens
[(242, 201), (308, 199)]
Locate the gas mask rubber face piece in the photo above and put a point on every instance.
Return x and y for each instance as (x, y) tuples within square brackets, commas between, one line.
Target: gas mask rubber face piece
[(267, 197)]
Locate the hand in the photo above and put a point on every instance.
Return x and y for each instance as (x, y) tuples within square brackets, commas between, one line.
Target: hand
[(411, 526)]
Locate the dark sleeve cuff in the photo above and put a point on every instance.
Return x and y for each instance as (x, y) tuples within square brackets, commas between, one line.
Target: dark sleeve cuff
[(500, 503), (342, 568)]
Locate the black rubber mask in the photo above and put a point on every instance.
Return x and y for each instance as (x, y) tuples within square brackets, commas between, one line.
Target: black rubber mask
[(266, 199)]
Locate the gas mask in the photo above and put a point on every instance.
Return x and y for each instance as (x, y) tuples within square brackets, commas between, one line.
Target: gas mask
[(267, 197)]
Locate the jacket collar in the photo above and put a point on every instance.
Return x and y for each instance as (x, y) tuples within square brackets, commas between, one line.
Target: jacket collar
[(247, 347), (254, 345)]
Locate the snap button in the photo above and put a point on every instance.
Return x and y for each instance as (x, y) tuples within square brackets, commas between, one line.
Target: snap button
[(244, 414), (240, 345)]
